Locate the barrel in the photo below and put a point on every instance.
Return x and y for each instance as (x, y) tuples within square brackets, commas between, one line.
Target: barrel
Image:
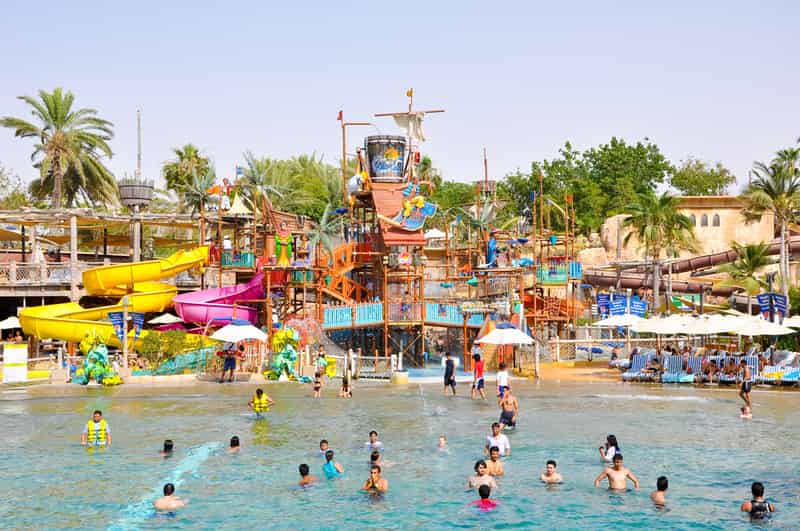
[(385, 156)]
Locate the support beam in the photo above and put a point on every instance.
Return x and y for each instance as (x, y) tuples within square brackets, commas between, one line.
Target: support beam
[(73, 258)]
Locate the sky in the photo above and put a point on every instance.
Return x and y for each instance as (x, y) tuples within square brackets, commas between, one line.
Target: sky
[(716, 81)]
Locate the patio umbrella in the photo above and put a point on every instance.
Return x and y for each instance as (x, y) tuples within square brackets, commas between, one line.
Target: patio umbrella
[(792, 322), (165, 319), (623, 320), (663, 326), (756, 326), (9, 322), (234, 333), (506, 336)]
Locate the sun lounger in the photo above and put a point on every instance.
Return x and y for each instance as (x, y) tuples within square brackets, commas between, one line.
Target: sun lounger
[(791, 376), (771, 374), (673, 369), (694, 371), (637, 364)]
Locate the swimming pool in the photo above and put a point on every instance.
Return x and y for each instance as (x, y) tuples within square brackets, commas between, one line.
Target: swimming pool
[(693, 436)]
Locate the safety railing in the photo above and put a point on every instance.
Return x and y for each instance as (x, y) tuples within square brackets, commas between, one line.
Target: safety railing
[(56, 274), (371, 314), (243, 259), (405, 311)]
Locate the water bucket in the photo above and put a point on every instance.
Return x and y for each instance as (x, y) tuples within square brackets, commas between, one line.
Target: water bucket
[(385, 156)]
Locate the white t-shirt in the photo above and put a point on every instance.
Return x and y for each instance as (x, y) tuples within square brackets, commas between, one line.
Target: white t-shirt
[(501, 441), (611, 451), (502, 378)]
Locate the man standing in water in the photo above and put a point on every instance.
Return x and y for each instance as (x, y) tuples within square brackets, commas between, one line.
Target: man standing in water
[(617, 476), (494, 466), (659, 496), (169, 502), (449, 365), (550, 474), (497, 439), (96, 432), (747, 385), (375, 484), (509, 409)]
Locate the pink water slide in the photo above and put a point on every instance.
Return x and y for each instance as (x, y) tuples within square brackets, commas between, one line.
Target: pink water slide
[(201, 307)]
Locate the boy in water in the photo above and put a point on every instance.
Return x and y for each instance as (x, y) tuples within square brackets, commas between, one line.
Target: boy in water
[(494, 466), (503, 382), (477, 376), (235, 446), (747, 385), (449, 364), (169, 502), (323, 447), (375, 484), (758, 507), (306, 478), (484, 504), (442, 445), (509, 409), (498, 440), (618, 476), (745, 413), (659, 496), (550, 474), (168, 446), (373, 442)]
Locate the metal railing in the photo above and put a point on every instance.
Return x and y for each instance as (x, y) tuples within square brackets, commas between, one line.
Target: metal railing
[(56, 274)]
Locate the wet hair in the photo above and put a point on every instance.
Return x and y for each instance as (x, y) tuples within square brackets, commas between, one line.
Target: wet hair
[(374, 456), (374, 432), (479, 463), (494, 449), (502, 366), (323, 441), (551, 462), (662, 483), (329, 455), (169, 488), (168, 444), (757, 489), (484, 491), (234, 442), (612, 441), (303, 469), (97, 412), (617, 457), (259, 392), (742, 361), (476, 357), (376, 467)]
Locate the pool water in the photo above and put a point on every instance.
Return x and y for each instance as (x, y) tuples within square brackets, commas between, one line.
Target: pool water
[(693, 436)]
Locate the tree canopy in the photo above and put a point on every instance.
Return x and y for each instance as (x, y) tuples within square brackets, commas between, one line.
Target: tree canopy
[(695, 177)]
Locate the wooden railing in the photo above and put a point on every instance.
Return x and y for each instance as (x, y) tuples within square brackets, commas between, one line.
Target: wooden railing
[(55, 274)]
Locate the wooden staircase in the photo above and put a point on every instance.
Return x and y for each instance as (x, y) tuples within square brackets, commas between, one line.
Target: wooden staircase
[(337, 284)]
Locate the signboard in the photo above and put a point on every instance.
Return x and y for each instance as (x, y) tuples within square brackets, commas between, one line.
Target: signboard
[(603, 304), (119, 324), (138, 323), (15, 362), (778, 303), (638, 306), (619, 305)]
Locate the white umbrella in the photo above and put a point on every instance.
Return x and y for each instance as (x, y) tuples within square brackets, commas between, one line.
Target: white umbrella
[(165, 319), (434, 234), (706, 325), (792, 322), (9, 322), (664, 326), (506, 336), (623, 320), (756, 326), (234, 333)]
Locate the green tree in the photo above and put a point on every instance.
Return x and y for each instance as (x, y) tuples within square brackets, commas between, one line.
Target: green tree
[(69, 149), (695, 177), (327, 227), (743, 271), (12, 191), (179, 172), (197, 197)]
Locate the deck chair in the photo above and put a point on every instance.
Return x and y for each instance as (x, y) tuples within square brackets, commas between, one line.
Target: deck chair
[(695, 363), (791, 376), (637, 364), (771, 374), (673, 369)]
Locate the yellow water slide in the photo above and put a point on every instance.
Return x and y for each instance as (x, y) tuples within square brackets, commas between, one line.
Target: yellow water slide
[(70, 321)]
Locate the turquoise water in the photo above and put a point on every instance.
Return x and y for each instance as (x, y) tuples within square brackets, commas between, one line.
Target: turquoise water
[(693, 436)]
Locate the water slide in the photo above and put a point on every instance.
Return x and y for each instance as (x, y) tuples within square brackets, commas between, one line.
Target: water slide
[(71, 322), (201, 307), (639, 279)]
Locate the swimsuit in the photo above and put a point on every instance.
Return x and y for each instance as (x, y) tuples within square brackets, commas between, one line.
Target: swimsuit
[(506, 417), (759, 510), (330, 470), (747, 386), (478, 384), (230, 363)]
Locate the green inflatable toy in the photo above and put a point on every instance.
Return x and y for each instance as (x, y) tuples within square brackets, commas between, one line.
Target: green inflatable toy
[(95, 364), (284, 345)]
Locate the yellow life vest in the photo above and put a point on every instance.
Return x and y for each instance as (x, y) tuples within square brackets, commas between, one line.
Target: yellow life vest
[(260, 404), (96, 437)]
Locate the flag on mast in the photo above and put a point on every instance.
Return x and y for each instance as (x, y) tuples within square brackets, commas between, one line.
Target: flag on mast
[(339, 116), (410, 93)]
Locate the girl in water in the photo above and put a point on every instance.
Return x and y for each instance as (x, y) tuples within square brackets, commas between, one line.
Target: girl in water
[(609, 449)]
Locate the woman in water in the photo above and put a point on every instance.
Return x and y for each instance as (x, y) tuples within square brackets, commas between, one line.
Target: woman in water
[(609, 449)]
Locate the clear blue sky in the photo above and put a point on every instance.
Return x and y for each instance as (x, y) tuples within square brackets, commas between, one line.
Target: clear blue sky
[(715, 80)]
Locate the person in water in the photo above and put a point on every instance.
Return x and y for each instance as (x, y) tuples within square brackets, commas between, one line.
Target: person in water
[(168, 447), (550, 474), (509, 410), (317, 384), (346, 390), (484, 503), (494, 465), (96, 431), (442, 444), (331, 468), (503, 382), (499, 440), (758, 507), (169, 502), (609, 449), (373, 442), (617, 476), (375, 484), (449, 365), (747, 384), (235, 445), (481, 477), (745, 413), (229, 365), (306, 478), (261, 402), (659, 496), (323, 447), (477, 377)]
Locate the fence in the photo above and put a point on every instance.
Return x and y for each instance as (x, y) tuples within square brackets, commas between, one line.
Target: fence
[(58, 274)]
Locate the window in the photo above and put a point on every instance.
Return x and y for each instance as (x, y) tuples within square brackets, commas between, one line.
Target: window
[(693, 219), (715, 220), (704, 220)]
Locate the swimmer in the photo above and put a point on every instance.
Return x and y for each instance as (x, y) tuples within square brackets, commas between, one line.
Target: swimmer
[(745, 413), (442, 444), (481, 477), (499, 440), (261, 402), (235, 446), (169, 502), (747, 385), (550, 474), (617, 476), (609, 449), (373, 442), (758, 507), (494, 465), (484, 504), (96, 431), (323, 447), (503, 382), (168, 446), (317, 384), (306, 479), (509, 410), (375, 484), (477, 377), (331, 468), (659, 496)]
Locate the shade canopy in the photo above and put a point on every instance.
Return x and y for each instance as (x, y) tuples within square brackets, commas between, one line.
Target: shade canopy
[(756, 326), (434, 234), (623, 320), (506, 336), (792, 322), (234, 333), (673, 324), (9, 322), (165, 319)]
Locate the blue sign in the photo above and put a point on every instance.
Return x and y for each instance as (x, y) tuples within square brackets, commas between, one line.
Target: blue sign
[(778, 303), (619, 306), (638, 306), (138, 323), (118, 323), (603, 303)]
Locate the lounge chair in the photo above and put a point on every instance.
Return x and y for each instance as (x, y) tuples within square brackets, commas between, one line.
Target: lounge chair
[(791, 376), (771, 374), (727, 378), (673, 369), (637, 364), (694, 370)]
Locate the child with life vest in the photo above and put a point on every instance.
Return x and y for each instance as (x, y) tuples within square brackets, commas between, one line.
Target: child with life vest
[(261, 402), (96, 432)]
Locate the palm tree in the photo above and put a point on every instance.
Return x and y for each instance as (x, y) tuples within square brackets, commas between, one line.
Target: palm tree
[(328, 227), (69, 150), (197, 196), (742, 271), (659, 226), (775, 189), (179, 172)]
